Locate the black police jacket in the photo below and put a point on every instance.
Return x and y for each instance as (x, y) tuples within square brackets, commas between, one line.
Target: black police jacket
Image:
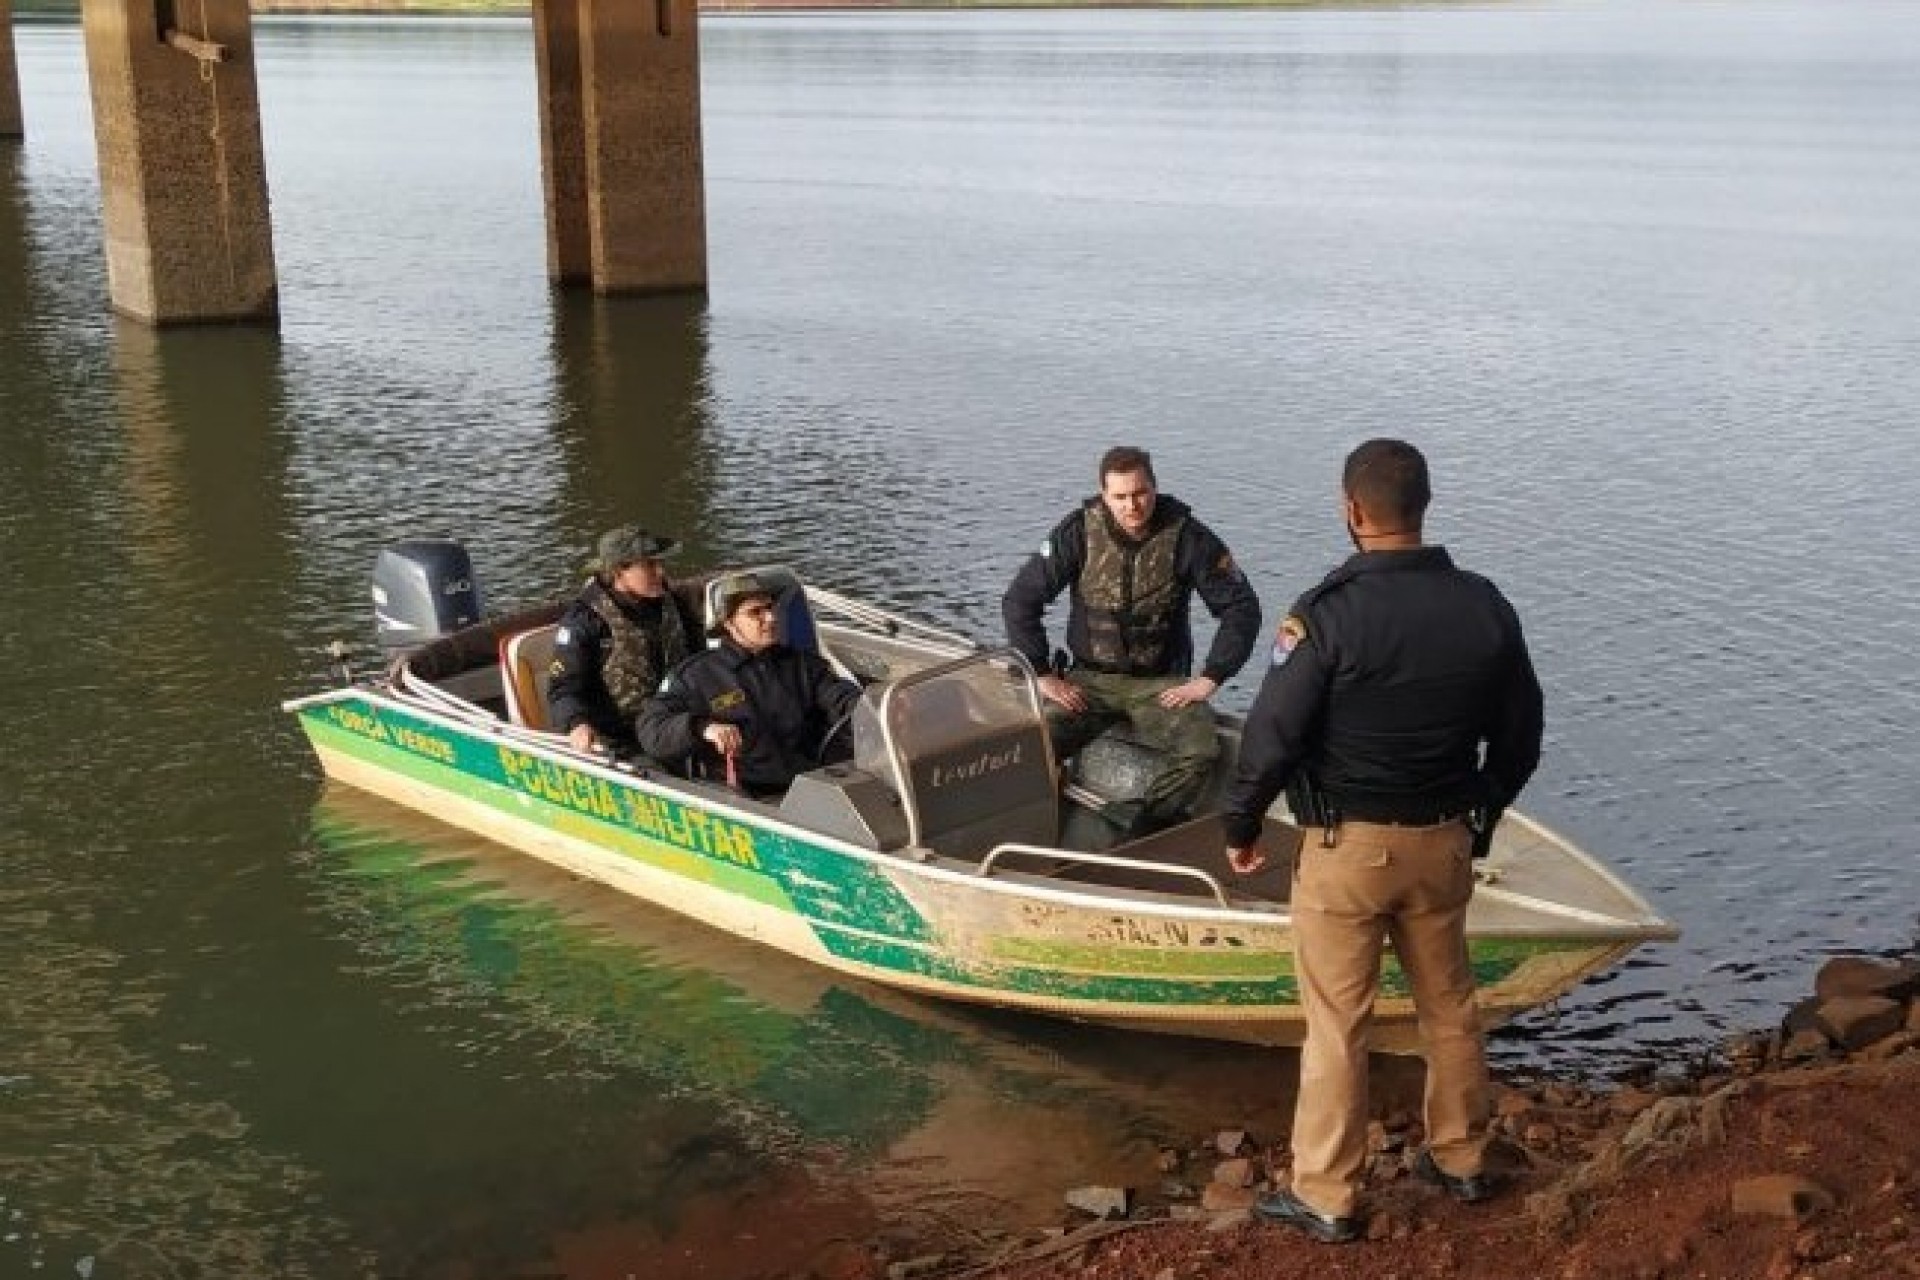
[(1403, 687), (1202, 563), (783, 700)]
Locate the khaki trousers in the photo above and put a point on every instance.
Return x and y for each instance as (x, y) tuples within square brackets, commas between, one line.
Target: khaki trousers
[(1375, 882)]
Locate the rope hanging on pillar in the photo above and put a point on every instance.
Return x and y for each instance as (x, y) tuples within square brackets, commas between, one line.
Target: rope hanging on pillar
[(210, 54)]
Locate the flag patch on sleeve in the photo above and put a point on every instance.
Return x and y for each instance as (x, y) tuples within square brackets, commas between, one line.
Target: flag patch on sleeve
[(1285, 640)]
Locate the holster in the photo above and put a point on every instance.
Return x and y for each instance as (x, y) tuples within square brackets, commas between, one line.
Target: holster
[(1308, 800), (1481, 821)]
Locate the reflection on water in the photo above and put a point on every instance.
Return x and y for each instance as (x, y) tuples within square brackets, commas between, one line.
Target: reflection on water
[(14, 256), (204, 474), (942, 1119), (448, 911), (107, 1160), (634, 419)]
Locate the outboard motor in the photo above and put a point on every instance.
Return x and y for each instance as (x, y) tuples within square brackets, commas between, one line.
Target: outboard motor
[(422, 590)]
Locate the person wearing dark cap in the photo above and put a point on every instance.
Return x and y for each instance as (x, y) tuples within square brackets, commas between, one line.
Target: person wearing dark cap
[(1133, 558), (617, 641), (751, 709), (1401, 714)]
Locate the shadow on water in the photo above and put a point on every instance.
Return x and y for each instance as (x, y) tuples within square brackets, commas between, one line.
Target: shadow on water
[(780, 1080)]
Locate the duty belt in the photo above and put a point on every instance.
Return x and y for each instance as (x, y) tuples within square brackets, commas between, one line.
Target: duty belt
[(1409, 815), (1451, 815)]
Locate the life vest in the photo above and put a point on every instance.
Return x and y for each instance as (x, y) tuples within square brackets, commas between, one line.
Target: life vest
[(1130, 595), (637, 658)]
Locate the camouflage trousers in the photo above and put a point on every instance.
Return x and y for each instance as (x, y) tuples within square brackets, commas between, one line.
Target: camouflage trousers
[(1185, 735)]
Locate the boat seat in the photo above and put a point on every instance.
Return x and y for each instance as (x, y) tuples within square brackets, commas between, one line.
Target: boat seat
[(526, 668), (797, 629), (690, 593)]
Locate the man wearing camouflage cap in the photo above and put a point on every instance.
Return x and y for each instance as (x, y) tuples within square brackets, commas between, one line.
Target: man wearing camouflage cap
[(751, 710), (617, 641)]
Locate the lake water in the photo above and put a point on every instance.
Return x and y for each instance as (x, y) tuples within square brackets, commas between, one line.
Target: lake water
[(1641, 278)]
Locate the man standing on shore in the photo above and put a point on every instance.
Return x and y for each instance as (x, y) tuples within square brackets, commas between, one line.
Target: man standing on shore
[(1402, 715)]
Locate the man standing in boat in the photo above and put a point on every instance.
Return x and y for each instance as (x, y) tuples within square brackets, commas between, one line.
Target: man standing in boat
[(617, 641), (1402, 715), (752, 709), (1133, 558)]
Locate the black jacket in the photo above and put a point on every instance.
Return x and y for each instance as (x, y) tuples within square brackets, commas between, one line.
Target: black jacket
[(576, 692), (1202, 563), (1388, 680), (783, 700)]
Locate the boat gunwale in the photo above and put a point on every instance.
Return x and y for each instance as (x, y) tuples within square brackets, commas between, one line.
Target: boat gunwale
[(1017, 884), (1660, 929), (1588, 927)]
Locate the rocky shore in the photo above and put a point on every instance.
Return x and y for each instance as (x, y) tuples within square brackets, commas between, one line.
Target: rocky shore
[(1793, 1155)]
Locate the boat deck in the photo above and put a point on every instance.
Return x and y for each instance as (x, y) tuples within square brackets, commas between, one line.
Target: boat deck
[(1198, 844)]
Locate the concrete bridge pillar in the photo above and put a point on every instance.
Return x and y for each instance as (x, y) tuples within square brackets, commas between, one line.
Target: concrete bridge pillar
[(9, 76), (620, 143), (183, 183)]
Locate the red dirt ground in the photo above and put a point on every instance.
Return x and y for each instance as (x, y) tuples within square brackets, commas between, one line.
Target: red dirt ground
[(1853, 1128)]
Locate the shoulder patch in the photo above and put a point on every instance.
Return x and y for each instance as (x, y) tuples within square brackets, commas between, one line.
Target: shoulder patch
[(727, 701), (1224, 567), (1288, 637), (1046, 549), (556, 668), (563, 636)]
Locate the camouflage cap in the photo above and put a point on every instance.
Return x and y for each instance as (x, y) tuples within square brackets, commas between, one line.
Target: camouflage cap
[(729, 592), (628, 543)]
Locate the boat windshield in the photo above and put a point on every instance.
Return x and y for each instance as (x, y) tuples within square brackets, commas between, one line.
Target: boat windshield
[(965, 746)]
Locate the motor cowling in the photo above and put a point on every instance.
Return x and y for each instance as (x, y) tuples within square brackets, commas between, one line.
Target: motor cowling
[(422, 590)]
